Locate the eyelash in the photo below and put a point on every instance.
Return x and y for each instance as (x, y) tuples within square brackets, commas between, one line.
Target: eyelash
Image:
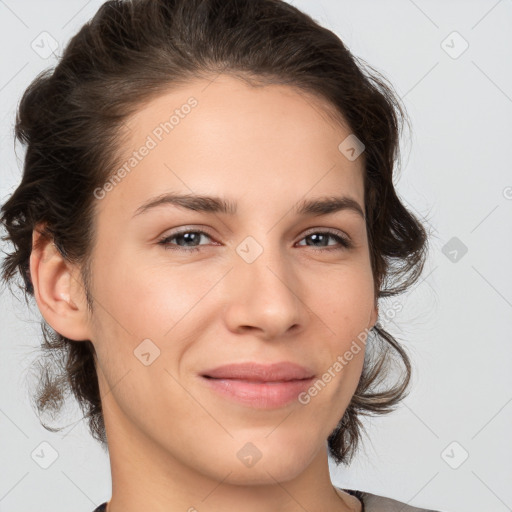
[(343, 241)]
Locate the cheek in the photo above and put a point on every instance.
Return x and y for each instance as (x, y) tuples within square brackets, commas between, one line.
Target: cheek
[(344, 305), (344, 301), (136, 302), (145, 300)]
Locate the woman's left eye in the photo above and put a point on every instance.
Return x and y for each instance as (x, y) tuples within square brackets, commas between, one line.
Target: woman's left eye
[(194, 236), (323, 236)]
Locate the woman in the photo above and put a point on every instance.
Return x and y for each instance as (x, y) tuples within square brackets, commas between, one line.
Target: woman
[(206, 221)]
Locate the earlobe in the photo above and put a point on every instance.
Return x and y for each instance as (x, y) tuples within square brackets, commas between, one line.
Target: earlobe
[(57, 291)]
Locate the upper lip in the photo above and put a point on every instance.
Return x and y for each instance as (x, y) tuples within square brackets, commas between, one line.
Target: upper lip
[(282, 371)]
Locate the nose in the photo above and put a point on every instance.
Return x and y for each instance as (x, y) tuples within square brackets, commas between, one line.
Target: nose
[(265, 295)]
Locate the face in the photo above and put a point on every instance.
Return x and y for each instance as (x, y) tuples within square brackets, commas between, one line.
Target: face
[(179, 291)]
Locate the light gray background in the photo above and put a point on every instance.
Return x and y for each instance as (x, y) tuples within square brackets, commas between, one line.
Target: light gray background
[(455, 323)]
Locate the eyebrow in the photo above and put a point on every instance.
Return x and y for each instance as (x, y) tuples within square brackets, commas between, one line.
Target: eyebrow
[(213, 204)]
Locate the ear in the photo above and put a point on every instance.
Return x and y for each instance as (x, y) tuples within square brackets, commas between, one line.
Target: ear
[(58, 289)]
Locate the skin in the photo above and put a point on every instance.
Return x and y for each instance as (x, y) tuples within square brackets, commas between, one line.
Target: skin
[(173, 443)]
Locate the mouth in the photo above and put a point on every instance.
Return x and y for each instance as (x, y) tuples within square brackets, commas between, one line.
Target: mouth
[(258, 372), (259, 386), (256, 380), (257, 394)]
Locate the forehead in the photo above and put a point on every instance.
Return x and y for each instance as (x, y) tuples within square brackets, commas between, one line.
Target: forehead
[(224, 136)]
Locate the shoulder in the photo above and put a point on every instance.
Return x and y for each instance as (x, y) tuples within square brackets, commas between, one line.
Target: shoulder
[(376, 503)]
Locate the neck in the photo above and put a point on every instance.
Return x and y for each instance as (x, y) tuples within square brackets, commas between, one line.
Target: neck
[(145, 477)]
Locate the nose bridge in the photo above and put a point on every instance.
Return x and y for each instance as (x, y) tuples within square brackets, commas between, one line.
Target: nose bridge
[(260, 260)]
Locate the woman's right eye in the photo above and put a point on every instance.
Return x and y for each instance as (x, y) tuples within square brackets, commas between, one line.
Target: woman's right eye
[(183, 235)]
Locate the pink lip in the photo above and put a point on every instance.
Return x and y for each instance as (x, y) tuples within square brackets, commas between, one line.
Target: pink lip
[(259, 386), (260, 372)]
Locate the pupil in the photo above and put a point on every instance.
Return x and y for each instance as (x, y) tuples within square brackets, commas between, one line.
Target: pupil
[(189, 237), (316, 237)]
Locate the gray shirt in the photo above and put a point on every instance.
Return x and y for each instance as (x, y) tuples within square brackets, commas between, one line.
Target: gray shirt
[(371, 503), (374, 503)]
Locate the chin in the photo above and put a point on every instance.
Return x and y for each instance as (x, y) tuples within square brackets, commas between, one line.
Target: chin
[(264, 462), (264, 474)]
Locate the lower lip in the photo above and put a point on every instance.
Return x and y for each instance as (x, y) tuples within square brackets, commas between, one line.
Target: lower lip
[(259, 395)]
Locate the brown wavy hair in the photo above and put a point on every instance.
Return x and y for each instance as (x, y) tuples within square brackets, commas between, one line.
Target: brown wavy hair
[(70, 119)]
